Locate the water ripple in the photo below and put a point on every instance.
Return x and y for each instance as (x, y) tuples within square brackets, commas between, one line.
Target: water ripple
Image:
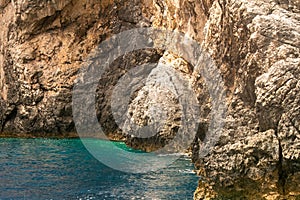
[(63, 169)]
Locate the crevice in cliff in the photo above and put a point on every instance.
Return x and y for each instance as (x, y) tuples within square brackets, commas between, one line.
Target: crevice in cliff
[(11, 116), (206, 5), (43, 25), (281, 172), (280, 41), (199, 138)]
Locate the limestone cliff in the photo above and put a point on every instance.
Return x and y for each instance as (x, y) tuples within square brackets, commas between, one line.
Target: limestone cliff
[(254, 44)]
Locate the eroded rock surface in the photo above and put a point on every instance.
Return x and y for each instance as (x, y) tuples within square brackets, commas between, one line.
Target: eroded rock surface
[(255, 46)]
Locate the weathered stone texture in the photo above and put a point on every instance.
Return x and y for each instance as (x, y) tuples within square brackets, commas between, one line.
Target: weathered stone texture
[(255, 44)]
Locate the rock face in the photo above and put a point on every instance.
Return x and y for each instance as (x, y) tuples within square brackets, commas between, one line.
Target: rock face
[(254, 44)]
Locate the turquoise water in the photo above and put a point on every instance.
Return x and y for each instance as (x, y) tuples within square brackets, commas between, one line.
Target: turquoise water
[(64, 169)]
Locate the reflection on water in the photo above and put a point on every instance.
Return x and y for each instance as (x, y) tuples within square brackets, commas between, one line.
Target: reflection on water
[(63, 169)]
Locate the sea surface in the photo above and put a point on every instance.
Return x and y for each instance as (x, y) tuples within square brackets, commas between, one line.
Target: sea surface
[(38, 169)]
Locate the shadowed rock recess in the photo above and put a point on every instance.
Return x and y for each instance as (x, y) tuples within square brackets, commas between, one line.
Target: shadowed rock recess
[(254, 43)]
